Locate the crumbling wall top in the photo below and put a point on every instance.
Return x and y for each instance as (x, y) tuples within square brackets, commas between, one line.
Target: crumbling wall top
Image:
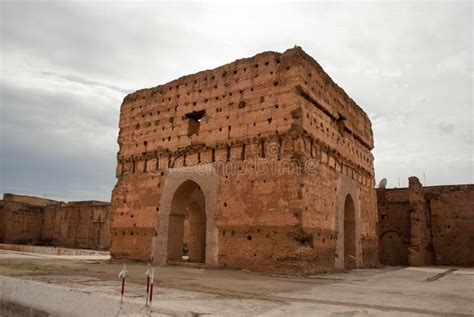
[(36, 201)]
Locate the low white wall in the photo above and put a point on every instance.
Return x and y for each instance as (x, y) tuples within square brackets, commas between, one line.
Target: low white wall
[(49, 250), (63, 301)]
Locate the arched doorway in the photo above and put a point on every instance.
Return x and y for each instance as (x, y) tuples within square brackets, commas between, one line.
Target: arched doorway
[(392, 249), (187, 224), (350, 241)]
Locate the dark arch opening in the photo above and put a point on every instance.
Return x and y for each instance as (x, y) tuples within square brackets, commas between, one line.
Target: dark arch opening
[(393, 251), (187, 224), (349, 234)]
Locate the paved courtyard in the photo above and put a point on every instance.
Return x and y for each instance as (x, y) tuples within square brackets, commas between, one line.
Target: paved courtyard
[(182, 290)]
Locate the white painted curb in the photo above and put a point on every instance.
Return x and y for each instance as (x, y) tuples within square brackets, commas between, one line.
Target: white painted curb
[(62, 301)]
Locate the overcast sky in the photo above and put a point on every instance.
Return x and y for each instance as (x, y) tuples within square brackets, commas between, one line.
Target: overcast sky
[(65, 68)]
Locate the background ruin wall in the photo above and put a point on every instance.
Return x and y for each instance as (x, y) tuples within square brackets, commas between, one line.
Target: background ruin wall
[(34, 220), (20, 221), (426, 225), (271, 111), (83, 224), (452, 223)]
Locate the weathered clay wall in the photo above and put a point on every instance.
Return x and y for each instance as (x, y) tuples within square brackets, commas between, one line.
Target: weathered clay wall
[(393, 226), (21, 222), (34, 220), (426, 225), (289, 147), (135, 207), (339, 134), (420, 251), (3, 221), (31, 200), (452, 221), (82, 224)]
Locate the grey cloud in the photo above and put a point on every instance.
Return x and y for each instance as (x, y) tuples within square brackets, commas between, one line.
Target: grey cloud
[(85, 81), (445, 127)]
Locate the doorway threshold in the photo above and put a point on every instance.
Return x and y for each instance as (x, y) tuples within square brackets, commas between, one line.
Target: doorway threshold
[(188, 264)]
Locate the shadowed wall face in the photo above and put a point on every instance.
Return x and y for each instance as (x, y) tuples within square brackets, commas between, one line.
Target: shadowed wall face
[(197, 233), (424, 225), (393, 250), (188, 202), (350, 238)]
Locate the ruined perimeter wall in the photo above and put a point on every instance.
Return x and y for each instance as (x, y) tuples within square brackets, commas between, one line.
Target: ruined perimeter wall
[(426, 225), (288, 146), (452, 223), (20, 222), (83, 224), (34, 220)]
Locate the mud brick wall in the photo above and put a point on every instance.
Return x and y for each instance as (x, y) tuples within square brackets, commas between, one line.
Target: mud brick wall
[(21, 223), (288, 147), (420, 251), (135, 205), (394, 226), (34, 220), (31, 200), (426, 225), (3, 221), (452, 221), (82, 224)]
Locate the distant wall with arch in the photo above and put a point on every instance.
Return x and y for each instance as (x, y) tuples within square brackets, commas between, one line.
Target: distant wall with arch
[(426, 225)]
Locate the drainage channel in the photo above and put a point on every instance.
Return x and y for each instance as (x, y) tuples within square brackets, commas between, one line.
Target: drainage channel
[(440, 275)]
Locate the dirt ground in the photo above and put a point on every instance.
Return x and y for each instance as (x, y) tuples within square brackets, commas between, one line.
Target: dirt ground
[(392, 291)]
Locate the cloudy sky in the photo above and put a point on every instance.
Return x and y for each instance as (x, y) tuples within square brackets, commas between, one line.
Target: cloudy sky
[(65, 68)]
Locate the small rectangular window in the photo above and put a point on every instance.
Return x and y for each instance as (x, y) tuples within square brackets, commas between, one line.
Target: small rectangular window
[(194, 121)]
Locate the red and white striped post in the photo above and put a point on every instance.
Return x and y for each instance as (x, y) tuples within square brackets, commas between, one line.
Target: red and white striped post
[(150, 273), (122, 275), (152, 277)]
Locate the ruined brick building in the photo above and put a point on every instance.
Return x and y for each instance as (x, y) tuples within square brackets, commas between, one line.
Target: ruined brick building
[(426, 225), (264, 164), (34, 220)]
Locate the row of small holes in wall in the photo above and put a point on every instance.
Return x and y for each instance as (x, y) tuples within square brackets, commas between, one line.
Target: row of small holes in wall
[(333, 93), (269, 120), (223, 75), (331, 87), (206, 100), (132, 233), (169, 99), (247, 236), (328, 82), (263, 181), (349, 147), (348, 104), (148, 124), (315, 121), (229, 128), (275, 83)]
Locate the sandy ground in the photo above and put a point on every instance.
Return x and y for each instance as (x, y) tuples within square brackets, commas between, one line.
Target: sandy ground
[(389, 291)]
